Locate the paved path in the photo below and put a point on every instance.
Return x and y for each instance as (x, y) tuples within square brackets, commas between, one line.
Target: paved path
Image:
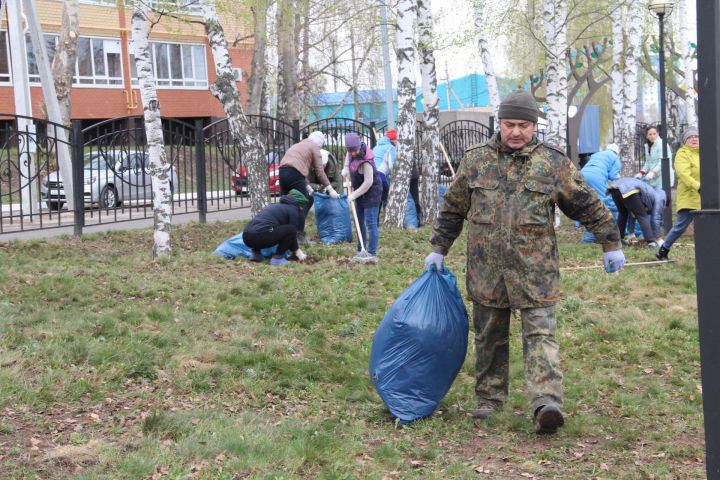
[(235, 214)]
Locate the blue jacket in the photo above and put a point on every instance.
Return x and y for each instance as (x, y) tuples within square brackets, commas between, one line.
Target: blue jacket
[(601, 167), (287, 212), (382, 149), (653, 200)]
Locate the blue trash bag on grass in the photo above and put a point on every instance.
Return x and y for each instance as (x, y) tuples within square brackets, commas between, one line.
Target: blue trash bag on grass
[(420, 345), (411, 218), (235, 247), (333, 218)]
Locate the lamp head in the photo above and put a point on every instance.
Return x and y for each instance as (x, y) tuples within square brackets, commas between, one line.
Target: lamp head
[(661, 8)]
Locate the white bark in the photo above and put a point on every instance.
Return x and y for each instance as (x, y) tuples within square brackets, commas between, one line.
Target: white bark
[(687, 82), (63, 65), (630, 86), (225, 89), (405, 52), (482, 34), (430, 160), (618, 36), (555, 31), (158, 167)]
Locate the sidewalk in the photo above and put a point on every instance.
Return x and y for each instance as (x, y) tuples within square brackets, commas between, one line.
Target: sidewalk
[(223, 216)]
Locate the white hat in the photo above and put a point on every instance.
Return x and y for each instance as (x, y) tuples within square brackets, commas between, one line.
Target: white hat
[(324, 154), (317, 137), (613, 148)]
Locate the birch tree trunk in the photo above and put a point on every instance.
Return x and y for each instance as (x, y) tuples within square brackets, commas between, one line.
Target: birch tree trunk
[(687, 82), (63, 65), (481, 33), (287, 98), (225, 90), (618, 55), (405, 52), (430, 160), (257, 75), (158, 167), (626, 137), (555, 31)]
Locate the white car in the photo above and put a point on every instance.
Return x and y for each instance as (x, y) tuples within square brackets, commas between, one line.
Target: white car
[(110, 178)]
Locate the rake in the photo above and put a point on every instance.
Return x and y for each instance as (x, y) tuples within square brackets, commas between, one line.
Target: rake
[(362, 256)]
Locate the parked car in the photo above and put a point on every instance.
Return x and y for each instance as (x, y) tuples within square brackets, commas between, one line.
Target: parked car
[(111, 177), (239, 179)]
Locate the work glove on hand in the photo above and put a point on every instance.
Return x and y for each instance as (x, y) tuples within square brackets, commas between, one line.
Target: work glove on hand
[(351, 197), (331, 191), (614, 261), (345, 172), (639, 175), (301, 256), (434, 259), (309, 190), (651, 175)]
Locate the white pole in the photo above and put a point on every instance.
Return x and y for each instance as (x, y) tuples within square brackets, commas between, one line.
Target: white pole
[(23, 106), (51, 101), (386, 66)]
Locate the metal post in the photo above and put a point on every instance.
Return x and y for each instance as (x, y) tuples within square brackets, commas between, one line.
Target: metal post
[(78, 177), (665, 161), (200, 171), (296, 131), (373, 140), (389, 101), (707, 227)]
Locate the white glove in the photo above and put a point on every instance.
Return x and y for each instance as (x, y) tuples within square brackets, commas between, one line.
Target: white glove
[(331, 191), (301, 256), (309, 190), (351, 197), (651, 175), (638, 175), (614, 261), (345, 172), (434, 259)]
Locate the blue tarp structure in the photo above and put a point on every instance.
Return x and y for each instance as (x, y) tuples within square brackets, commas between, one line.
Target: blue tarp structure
[(589, 138)]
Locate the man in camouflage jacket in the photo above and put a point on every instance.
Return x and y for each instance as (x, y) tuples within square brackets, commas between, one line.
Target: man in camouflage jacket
[(507, 190)]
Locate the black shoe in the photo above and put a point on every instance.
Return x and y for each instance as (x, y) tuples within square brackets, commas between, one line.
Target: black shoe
[(662, 254), (303, 240), (548, 418)]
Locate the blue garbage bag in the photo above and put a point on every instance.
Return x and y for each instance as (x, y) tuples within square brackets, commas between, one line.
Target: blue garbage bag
[(411, 218), (333, 218), (420, 345), (235, 247)]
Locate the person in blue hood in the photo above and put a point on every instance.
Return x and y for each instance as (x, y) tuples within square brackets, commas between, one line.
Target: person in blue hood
[(385, 156), (600, 168), (277, 224), (645, 203)]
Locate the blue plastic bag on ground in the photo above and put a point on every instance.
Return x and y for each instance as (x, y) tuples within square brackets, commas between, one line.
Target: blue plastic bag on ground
[(411, 218), (333, 218), (420, 345), (235, 247)]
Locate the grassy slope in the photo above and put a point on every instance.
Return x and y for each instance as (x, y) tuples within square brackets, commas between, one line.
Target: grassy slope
[(196, 367)]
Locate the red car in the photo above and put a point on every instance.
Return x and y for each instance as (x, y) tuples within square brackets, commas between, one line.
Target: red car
[(239, 180)]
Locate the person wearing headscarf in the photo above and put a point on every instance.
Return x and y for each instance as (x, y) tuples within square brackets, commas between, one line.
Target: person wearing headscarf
[(294, 169), (277, 224), (687, 165)]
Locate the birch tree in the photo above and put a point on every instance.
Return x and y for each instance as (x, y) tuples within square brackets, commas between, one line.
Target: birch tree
[(225, 90), (405, 52), (480, 8), (63, 65), (687, 52), (618, 101), (158, 168), (430, 159), (288, 107), (555, 33), (258, 68)]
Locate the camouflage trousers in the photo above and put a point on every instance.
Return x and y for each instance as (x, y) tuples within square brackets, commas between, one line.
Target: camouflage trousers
[(540, 349)]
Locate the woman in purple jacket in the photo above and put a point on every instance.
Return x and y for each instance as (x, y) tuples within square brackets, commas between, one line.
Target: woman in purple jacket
[(367, 189)]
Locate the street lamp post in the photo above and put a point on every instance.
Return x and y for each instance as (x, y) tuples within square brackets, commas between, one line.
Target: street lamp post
[(663, 8)]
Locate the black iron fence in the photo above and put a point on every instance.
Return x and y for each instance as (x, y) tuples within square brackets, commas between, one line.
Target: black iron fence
[(110, 166)]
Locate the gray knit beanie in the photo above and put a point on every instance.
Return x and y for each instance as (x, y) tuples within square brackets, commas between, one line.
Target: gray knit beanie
[(689, 132), (519, 105)]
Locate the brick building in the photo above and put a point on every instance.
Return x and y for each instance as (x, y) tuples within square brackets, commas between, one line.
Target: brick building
[(105, 84)]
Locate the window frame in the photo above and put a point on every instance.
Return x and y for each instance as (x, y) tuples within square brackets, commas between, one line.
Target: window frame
[(7, 82), (170, 83)]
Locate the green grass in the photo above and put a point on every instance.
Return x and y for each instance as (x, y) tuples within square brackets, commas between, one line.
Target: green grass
[(114, 366)]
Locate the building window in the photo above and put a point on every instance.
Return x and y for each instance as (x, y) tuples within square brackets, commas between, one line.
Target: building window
[(97, 64), (104, 3), (189, 7), (4, 58), (175, 65)]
